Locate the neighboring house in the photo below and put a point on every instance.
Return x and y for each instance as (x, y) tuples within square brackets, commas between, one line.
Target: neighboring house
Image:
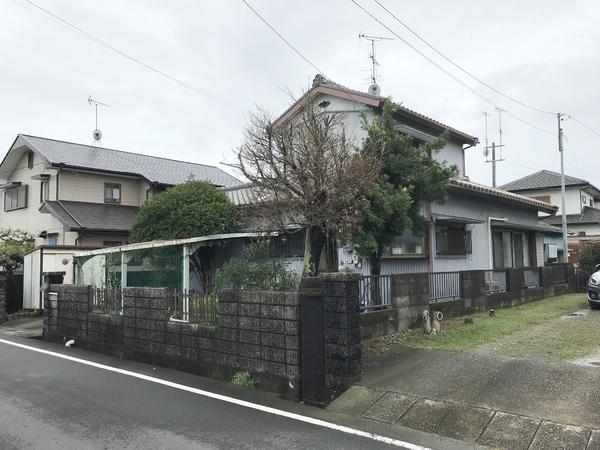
[(477, 228), (79, 195), (583, 219)]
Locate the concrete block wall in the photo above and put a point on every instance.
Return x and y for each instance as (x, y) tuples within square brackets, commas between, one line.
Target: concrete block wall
[(257, 332), (410, 297), (342, 330), (3, 296)]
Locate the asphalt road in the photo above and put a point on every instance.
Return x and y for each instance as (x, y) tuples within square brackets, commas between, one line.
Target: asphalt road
[(52, 403)]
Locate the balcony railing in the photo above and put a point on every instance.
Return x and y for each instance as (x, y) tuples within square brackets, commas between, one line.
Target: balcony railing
[(376, 292), (444, 286), (107, 301), (193, 306)]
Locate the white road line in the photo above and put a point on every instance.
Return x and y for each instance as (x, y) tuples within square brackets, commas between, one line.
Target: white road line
[(224, 398)]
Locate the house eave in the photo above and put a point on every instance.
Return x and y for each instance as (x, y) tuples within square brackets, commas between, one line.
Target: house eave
[(486, 191)]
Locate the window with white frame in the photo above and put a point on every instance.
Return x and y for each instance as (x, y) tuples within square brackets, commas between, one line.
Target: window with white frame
[(405, 245), (112, 193)]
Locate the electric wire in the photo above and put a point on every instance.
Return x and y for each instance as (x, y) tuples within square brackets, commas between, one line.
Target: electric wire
[(288, 43), (584, 125), (93, 38), (450, 74), (512, 99)]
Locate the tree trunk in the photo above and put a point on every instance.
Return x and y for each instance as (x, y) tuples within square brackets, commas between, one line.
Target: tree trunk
[(313, 247), (330, 254), (202, 260), (375, 260)]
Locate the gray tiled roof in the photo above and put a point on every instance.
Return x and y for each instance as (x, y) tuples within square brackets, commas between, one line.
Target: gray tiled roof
[(540, 180), (502, 194), (92, 216), (154, 169), (587, 216)]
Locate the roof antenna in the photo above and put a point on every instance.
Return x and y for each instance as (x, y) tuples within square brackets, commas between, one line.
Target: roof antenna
[(96, 134), (374, 88)]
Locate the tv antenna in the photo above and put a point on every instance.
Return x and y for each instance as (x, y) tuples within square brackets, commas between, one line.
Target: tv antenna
[(374, 88), (96, 134), (493, 147)]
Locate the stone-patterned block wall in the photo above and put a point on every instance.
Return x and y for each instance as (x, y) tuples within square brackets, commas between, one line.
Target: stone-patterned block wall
[(341, 307), (3, 298), (257, 332), (410, 296)]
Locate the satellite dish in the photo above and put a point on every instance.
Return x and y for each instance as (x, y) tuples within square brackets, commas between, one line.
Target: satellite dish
[(374, 89), (97, 134)]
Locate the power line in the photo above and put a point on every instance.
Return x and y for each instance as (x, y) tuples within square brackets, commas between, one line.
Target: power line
[(451, 75), (461, 68), (288, 43), (584, 125), (91, 37)]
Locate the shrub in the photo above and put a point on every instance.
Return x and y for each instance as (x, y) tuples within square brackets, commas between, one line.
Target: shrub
[(589, 256), (256, 271), (244, 379)]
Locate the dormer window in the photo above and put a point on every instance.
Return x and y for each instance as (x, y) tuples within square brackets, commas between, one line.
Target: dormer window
[(112, 193), (30, 159)]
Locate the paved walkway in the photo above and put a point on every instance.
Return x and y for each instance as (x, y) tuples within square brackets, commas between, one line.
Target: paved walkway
[(485, 399)]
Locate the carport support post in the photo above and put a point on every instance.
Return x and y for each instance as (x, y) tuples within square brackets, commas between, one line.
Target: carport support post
[(185, 280)]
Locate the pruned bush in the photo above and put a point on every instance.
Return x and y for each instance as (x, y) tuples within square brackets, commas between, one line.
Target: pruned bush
[(256, 271)]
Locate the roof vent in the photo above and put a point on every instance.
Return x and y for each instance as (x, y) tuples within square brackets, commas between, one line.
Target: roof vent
[(374, 89)]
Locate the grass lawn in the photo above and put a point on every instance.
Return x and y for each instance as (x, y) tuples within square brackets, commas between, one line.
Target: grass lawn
[(522, 321)]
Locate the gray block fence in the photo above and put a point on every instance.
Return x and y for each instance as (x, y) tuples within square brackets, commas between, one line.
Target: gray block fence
[(259, 332)]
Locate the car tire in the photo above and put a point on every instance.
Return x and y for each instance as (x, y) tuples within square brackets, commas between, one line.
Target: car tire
[(594, 305)]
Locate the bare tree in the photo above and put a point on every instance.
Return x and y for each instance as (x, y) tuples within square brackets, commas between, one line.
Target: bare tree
[(305, 171)]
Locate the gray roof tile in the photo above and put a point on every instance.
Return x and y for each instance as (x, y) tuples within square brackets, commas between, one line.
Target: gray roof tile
[(92, 216), (587, 216), (540, 180), (154, 169)]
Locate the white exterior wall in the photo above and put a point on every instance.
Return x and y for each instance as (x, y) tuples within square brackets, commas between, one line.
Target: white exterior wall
[(590, 230), (480, 208), (572, 198), (452, 153), (29, 218), (89, 187)]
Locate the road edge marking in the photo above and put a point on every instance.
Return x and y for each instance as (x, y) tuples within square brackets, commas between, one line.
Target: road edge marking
[(227, 399)]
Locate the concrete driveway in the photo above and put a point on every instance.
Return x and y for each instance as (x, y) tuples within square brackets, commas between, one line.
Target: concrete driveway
[(487, 399)]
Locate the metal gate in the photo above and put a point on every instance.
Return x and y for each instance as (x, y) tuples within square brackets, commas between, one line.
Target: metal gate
[(312, 342)]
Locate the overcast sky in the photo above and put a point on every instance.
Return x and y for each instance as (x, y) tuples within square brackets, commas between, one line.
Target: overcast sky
[(544, 53)]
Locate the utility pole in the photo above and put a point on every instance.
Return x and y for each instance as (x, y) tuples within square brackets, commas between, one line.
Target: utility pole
[(493, 147), (494, 160), (562, 189)]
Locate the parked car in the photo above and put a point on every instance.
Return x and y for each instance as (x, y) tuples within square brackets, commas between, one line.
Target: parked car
[(593, 289)]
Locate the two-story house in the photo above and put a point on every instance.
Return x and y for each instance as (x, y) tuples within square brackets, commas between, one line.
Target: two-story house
[(71, 194), (581, 197), (479, 227)]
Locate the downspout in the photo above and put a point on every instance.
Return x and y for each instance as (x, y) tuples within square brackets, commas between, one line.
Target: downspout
[(490, 238)]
